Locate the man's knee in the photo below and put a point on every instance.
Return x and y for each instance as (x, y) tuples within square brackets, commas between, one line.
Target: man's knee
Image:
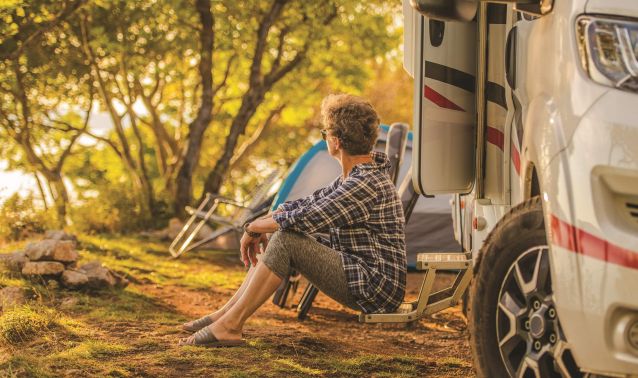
[(284, 239)]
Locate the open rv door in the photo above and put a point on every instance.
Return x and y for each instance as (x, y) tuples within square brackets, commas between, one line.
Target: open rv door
[(441, 56)]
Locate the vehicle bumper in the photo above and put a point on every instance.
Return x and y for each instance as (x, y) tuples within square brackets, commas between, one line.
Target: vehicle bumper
[(589, 191)]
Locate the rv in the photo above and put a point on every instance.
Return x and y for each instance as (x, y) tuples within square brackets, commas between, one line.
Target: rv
[(527, 112)]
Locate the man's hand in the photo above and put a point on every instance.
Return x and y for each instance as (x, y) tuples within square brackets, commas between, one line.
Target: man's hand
[(250, 247), (247, 247)]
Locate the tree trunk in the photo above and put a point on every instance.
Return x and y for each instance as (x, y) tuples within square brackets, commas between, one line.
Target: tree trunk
[(249, 105), (60, 196), (184, 180)]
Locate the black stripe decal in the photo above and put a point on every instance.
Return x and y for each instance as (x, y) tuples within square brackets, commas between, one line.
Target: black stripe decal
[(450, 76), (497, 14), (496, 94)]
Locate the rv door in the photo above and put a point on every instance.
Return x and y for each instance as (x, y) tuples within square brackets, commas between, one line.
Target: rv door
[(444, 70)]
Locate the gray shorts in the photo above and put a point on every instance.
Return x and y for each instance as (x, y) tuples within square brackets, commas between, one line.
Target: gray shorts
[(321, 265)]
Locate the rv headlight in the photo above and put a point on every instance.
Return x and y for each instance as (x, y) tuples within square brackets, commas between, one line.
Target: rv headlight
[(609, 51)]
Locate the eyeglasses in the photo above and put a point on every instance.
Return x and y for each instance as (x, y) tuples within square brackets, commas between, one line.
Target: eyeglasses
[(324, 133)]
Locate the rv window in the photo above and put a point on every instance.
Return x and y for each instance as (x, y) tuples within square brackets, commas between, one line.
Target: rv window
[(437, 29)]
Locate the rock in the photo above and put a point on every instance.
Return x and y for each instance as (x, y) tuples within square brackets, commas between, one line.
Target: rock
[(174, 227), (121, 281), (12, 296), (57, 250), (61, 235), (91, 265), (74, 279), (97, 275), (100, 276), (53, 284), (15, 261), (43, 268), (69, 302)]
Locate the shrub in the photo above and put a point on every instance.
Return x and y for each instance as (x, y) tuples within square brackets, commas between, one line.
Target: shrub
[(21, 217), (111, 209)]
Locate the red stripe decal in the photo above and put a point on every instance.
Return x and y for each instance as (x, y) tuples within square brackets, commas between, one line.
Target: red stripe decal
[(495, 137), (516, 159), (582, 242), (439, 99)]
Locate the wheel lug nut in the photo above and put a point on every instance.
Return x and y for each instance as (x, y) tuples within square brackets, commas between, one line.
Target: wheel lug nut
[(536, 304), (551, 313), (537, 345), (526, 325), (552, 338)]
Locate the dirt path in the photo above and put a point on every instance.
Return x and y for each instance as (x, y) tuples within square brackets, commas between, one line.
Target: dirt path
[(437, 345)]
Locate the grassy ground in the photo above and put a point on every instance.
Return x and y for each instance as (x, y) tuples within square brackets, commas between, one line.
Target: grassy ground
[(133, 332)]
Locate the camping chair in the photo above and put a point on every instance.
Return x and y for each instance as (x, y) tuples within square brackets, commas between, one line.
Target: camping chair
[(206, 213), (395, 150)]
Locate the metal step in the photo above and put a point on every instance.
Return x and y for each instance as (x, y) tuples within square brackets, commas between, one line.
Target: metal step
[(429, 302), (445, 261)]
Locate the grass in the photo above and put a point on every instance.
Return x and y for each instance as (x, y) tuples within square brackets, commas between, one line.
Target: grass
[(23, 323), (133, 332)]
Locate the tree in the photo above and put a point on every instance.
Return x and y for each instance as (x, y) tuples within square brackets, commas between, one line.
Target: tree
[(32, 82), (291, 36)]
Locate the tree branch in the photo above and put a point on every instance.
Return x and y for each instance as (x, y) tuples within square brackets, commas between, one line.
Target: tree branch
[(85, 125), (274, 114), (262, 38), (226, 74)]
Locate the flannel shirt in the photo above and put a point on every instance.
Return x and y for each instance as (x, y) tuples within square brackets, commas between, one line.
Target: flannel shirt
[(364, 218)]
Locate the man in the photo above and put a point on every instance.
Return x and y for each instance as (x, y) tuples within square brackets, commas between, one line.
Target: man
[(364, 264)]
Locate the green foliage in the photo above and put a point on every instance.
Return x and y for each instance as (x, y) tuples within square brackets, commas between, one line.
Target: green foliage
[(144, 74), (22, 217), (111, 208)]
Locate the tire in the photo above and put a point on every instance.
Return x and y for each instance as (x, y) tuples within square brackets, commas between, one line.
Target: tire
[(513, 324)]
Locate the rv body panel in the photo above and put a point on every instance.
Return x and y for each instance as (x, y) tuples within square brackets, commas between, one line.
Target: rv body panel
[(445, 106), (613, 7)]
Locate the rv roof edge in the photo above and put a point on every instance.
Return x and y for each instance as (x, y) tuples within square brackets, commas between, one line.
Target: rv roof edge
[(445, 10)]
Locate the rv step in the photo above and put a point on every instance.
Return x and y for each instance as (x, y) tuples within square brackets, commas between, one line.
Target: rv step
[(446, 261), (430, 302)]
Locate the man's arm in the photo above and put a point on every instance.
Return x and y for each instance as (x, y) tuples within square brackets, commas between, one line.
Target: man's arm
[(348, 204), (305, 201)]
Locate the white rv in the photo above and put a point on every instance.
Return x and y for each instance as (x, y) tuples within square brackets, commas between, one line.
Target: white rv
[(527, 111)]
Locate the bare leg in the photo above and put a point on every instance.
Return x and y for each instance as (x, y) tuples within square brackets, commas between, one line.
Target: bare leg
[(262, 285), (213, 316)]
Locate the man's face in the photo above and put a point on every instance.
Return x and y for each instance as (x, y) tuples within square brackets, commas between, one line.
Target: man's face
[(332, 141)]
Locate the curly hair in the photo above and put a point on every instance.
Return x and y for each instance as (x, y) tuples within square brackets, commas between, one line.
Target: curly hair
[(353, 121)]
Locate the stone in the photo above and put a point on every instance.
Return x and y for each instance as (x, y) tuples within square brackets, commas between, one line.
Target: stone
[(61, 235), (53, 284), (15, 261), (74, 279), (68, 303), (56, 250), (175, 226), (43, 268), (97, 275), (91, 265), (12, 296), (100, 276)]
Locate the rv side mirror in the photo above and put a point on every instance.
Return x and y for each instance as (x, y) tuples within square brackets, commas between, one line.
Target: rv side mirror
[(447, 10)]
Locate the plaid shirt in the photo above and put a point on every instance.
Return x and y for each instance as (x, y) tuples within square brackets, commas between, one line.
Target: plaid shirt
[(364, 217)]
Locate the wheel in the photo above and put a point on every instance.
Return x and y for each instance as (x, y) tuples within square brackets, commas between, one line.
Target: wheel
[(513, 323)]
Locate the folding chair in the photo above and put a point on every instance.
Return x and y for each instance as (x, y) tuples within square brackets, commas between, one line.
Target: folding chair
[(206, 213), (395, 150)]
